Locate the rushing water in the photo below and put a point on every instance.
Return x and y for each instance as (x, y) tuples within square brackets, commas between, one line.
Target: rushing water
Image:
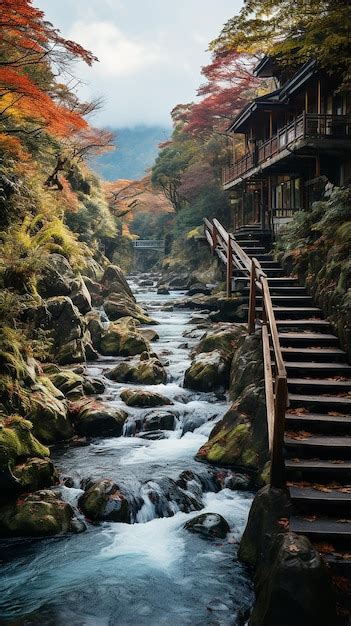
[(151, 572)]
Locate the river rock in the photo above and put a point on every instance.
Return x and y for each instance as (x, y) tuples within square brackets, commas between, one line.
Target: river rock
[(209, 525), (293, 585), (149, 334), (143, 398), (95, 327), (163, 290), (147, 371), (49, 418), (42, 513), (198, 288), (80, 295), (247, 364), (36, 474), (113, 280), (208, 371), (159, 420), (95, 419), (120, 305), (69, 383), (17, 442), (122, 339), (191, 422), (104, 501), (95, 291), (240, 438)]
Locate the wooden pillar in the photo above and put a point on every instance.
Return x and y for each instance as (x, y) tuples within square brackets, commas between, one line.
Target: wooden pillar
[(277, 478), (318, 166), (270, 124), (306, 101), (319, 98), (252, 300), (229, 267)]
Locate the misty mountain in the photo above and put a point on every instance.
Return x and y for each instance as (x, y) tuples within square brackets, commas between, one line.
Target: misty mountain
[(136, 151)]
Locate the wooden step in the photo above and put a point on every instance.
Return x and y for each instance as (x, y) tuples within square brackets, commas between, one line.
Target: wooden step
[(273, 282), (319, 422), (325, 528), (282, 312), (308, 355), (306, 324), (329, 500), (315, 370), (285, 293), (320, 404), (288, 300), (319, 446), (321, 470), (319, 385), (308, 339)]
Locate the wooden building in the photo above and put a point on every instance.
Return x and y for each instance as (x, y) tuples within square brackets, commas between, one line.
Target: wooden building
[(296, 140)]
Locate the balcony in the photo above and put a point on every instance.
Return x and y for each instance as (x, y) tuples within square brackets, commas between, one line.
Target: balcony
[(306, 126)]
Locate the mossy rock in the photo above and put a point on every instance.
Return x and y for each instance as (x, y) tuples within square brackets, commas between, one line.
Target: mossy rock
[(120, 340), (80, 295), (70, 383), (147, 371), (222, 337), (240, 438), (17, 442), (40, 514), (113, 279), (143, 398), (208, 371), (247, 364), (36, 474), (94, 419), (49, 418), (103, 501)]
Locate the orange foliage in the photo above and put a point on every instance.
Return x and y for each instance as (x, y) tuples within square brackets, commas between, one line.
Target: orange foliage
[(126, 197)]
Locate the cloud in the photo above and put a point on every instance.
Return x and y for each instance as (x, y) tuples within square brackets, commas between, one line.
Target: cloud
[(118, 54)]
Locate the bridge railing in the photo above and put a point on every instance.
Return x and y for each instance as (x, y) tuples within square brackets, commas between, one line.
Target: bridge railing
[(233, 256), (156, 244)]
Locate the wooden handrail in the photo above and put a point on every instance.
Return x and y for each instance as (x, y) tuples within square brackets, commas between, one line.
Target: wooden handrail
[(276, 386)]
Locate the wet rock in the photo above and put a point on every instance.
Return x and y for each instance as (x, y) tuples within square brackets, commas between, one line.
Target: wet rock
[(80, 295), (208, 525), (198, 288), (160, 420), (154, 435), (149, 334), (147, 371), (42, 513), (237, 482), (49, 418), (247, 364), (70, 383), (143, 398), (179, 282), (17, 442), (104, 501), (36, 473), (191, 422), (168, 497), (146, 283), (94, 419), (90, 353), (113, 280), (293, 586), (208, 371), (123, 339), (120, 305), (240, 438), (163, 291)]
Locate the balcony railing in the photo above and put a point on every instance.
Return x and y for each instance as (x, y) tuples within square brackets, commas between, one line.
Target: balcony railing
[(305, 126)]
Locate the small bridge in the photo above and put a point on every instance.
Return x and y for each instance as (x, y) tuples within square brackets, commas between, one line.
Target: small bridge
[(150, 244)]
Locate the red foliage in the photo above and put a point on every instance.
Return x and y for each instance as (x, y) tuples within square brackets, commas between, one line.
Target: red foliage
[(197, 176), (229, 87)]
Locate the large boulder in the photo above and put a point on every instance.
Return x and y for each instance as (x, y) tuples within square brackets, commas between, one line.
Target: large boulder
[(94, 419), (122, 339), (42, 513), (119, 305), (95, 327), (68, 382), (49, 418), (56, 277), (210, 367), (95, 291), (240, 438), (143, 398), (293, 586), (198, 288), (104, 501), (63, 324), (208, 525), (35, 473), (159, 420), (80, 295), (148, 370), (113, 280), (18, 443), (247, 364)]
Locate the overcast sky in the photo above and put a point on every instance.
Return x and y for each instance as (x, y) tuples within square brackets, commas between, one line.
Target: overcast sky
[(150, 51)]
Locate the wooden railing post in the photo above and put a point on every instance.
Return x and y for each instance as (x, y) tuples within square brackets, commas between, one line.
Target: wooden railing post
[(214, 239), (277, 478), (229, 266), (252, 299)]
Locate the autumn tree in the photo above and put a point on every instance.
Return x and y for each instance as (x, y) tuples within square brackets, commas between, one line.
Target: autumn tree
[(293, 31)]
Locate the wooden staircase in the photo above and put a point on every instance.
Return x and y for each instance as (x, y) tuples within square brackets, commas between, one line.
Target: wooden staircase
[(316, 436), (317, 451)]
